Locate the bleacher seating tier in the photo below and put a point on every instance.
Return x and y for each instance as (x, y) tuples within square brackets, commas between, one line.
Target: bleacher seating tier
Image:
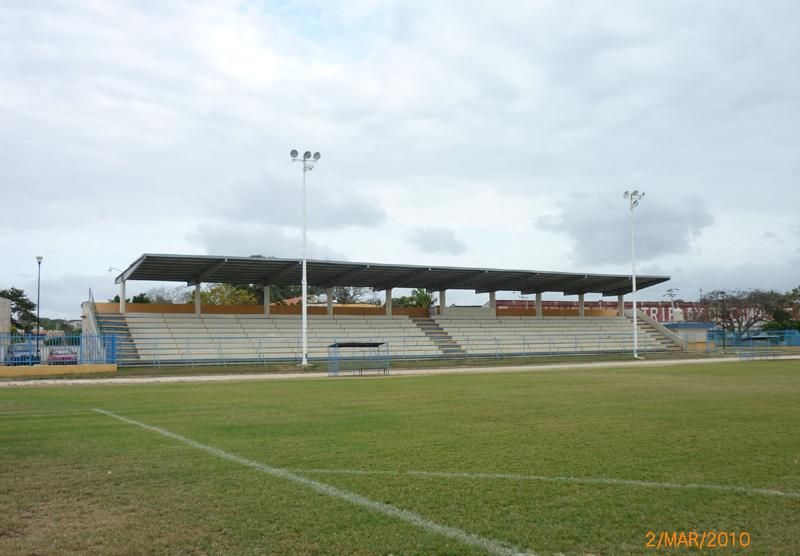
[(188, 338)]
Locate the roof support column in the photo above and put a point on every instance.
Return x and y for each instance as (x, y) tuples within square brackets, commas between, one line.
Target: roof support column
[(388, 302), (266, 300), (121, 297), (197, 300), (493, 303), (581, 306), (621, 305), (329, 295), (538, 305), (442, 303)]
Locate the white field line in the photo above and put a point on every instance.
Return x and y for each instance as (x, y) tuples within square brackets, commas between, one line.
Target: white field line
[(563, 479), (490, 546)]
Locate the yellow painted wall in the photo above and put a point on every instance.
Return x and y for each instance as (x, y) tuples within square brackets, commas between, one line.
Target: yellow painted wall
[(321, 310), (188, 308), (22, 371), (700, 346)]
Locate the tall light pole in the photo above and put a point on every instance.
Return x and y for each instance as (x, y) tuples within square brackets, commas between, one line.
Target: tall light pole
[(308, 161), (38, 296), (671, 293), (634, 197)]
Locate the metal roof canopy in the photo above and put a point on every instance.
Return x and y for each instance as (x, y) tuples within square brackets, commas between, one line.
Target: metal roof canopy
[(195, 269)]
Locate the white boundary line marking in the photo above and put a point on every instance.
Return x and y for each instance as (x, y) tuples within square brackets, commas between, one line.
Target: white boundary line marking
[(563, 479), (413, 518)]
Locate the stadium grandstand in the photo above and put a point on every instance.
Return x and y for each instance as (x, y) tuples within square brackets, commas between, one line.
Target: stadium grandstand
[(195, 333)]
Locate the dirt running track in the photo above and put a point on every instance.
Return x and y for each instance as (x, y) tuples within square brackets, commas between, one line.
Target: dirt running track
[(396, 373)]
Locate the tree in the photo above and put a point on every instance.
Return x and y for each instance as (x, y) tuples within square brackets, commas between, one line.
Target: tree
[(793, 297), (278, 293), (141, 298), (22, 308), (344, 295), (740, 310), (169, 294), (786, 318), (417, 298), (226, 294), (59, 324)]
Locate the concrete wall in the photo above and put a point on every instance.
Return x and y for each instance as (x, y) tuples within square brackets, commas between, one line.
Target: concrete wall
[(554, 312), (455, 312), (5, 316)]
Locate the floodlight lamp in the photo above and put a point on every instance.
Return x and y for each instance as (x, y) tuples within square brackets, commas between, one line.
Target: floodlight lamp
[(293, 153), (626, 195), (635, 193), (39, 259), (317, 156), (307, 155)]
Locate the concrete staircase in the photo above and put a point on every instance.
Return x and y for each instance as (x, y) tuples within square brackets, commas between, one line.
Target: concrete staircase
[(446, 344), (114, 323), (653, 336)]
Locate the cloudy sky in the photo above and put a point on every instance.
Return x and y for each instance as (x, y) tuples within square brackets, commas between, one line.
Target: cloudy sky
[(497, 134)]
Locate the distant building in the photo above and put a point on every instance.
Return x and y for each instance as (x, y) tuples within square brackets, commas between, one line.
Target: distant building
[(661, 311)]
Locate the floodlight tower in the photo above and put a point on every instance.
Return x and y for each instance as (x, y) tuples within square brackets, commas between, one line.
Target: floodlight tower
[(39, 259), (634, 197), (671, 293), (308, 161)]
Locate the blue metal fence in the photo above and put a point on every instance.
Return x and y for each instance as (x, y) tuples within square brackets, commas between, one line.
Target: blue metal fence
[(773, 338), (200, 349), (29, 349)]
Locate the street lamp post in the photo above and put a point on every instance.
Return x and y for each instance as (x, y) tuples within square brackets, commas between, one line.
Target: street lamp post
[(308, 161), (634, 197), (38, 297)]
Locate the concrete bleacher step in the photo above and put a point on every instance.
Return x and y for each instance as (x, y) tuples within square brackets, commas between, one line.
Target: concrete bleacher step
[(116, 325), (518, 335), (189, 338), (446, 344)]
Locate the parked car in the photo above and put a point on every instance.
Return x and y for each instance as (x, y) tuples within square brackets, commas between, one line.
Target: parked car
[(62, 356), (22, 354)]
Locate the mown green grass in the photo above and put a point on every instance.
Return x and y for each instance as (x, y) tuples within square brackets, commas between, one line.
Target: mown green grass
[(76, 481)]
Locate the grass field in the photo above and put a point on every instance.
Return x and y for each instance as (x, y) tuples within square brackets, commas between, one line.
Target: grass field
[(579, 461), (402, 364)]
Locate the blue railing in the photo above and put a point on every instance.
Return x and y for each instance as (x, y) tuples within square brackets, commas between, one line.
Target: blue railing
[(773, 338), (29, 349), (199, 349)]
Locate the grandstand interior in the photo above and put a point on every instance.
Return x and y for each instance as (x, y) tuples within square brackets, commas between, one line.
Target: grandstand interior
[(191, 334), (174, 338)]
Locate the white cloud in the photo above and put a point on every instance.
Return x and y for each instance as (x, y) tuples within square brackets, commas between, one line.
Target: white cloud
[(244, 240), (439, 241), (277, 200), (133, 127), (600, 230)]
